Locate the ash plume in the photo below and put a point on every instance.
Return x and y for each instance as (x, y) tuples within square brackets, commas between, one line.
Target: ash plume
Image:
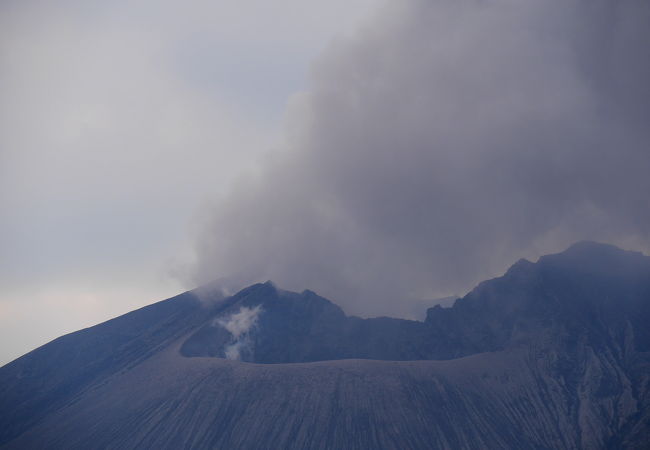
[(443, 142)]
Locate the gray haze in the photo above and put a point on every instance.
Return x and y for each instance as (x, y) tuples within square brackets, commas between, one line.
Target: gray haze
[(117, 121), (444, 141)]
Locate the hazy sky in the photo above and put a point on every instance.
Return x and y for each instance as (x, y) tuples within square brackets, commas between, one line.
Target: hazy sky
[(119, 121), (147, 146)]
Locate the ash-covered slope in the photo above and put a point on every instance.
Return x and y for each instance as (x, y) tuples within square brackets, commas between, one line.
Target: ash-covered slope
[(47, 378), (554, 354)]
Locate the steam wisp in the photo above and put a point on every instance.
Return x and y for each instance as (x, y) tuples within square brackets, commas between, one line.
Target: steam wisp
[(240, 325)]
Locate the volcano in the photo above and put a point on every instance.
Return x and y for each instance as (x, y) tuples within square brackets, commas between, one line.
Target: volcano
[(552, 355)]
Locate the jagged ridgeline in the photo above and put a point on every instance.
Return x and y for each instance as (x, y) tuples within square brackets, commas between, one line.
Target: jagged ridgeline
[(554, 354)]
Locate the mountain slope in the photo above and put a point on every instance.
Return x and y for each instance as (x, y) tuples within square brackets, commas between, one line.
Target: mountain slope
[(215, 403), (554, 354)]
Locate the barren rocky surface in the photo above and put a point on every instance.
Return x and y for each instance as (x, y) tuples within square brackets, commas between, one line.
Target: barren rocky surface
[(554, 354)]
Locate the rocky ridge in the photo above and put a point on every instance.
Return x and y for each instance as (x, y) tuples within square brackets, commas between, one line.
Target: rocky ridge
[(554, 354)]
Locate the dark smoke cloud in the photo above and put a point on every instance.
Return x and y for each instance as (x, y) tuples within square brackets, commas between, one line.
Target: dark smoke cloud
[(443, 142)]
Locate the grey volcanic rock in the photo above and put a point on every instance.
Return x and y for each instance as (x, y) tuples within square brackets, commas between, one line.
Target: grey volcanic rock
[(304, 327), (554, 354)]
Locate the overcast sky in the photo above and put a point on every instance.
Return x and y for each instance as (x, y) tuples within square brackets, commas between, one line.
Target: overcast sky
[(119, 121), (150, 146)]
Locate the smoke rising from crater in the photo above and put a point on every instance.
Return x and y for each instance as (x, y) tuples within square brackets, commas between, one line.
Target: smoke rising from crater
[(441, 143), (240, 325)]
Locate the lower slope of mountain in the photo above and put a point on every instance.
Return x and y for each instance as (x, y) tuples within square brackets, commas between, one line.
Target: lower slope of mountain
[(554, 354)]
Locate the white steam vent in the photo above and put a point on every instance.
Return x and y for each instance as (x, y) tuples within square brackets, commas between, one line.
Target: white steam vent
[(240, 325)]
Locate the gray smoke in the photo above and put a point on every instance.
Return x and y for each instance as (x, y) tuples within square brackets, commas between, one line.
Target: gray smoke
[(443, 142)]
